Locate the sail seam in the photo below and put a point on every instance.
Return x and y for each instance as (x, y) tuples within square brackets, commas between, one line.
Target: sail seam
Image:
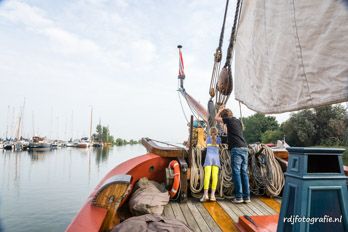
[(299, 54)]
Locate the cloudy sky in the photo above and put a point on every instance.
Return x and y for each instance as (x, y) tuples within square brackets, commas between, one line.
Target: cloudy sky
[(119, 57)]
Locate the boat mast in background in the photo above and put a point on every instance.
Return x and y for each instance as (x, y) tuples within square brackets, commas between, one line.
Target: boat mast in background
[(90, 125), (7, 121)]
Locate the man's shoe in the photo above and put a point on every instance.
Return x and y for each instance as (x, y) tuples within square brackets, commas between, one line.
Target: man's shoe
[(237, 201), (247, 200), (212, 198)]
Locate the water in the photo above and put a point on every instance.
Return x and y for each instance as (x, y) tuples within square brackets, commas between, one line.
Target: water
[(44, 191)]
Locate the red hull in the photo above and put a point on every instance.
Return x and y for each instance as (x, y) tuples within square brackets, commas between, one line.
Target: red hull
[(90, 218)]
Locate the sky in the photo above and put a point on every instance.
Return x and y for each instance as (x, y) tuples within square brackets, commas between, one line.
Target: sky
[(60, 59)]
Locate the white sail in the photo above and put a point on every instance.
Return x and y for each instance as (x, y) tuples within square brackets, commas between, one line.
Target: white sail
[(291, 55)]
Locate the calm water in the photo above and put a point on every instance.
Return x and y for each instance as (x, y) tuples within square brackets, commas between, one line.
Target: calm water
[(44, 191)]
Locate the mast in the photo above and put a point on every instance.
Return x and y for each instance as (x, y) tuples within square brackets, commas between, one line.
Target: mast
[(57, 128), (72, 125), (90, 125), (18, 127), (33, 122), (8, 116), (13, 120), (197, 109), (181, 75)]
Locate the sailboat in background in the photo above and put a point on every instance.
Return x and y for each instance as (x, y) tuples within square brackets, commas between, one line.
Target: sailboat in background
[(86, 142), (39, 144)]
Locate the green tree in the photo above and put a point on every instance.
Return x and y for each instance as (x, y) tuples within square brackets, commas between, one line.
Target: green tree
[(99, 134), (320, 126), (300, 129), (119, 142), (331, 125), (256, 125), (111, 139), (271, 136)]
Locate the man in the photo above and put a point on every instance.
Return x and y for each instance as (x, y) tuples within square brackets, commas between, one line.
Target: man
[(239, 154)]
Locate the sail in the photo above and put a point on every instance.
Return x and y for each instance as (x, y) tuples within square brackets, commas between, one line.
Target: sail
[(195, 106), (291, 55)]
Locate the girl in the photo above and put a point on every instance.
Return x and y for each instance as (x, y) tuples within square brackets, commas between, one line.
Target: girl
[(211, 164)]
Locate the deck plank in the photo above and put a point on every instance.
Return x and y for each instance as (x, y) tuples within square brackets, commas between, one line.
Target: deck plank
[(272, 203), (198, 217), (242, 207), (219, 215), (251, 209), (178, 213), (235, 209), (168, 211), (264, 206), (208, 219), (255, 208), (229, 211), (259, 207), (191, 222)]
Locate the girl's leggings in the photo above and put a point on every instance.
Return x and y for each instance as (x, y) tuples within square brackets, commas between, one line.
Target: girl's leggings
[(213, 171)]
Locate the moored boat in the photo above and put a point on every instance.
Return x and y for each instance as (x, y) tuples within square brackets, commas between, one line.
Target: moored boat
[(39, 144), (8, 145), (106, 206), (83, 143)]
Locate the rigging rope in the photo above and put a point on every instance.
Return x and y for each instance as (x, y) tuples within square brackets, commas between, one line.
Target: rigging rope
[(197, 113), (266, 175), (218, 57), (197, 173), (182, 108), (224, 86), (225, 185)]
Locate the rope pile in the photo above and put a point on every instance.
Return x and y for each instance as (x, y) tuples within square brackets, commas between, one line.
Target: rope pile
[(197, 173), (225, 184), (266, 175)]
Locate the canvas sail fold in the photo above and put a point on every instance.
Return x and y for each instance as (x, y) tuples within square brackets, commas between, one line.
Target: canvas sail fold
[(291, 55)]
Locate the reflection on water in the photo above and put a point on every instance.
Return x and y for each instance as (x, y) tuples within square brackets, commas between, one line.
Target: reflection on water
[(45, 190), (38, 156), (101, 154)]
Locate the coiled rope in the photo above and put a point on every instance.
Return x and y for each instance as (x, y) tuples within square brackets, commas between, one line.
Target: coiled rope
[(225, 184), (197, 173), (266, 175)]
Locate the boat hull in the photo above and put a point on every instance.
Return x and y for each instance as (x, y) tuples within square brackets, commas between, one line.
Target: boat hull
[(83, 145), (8, 147), (39, 147), (91, 218)]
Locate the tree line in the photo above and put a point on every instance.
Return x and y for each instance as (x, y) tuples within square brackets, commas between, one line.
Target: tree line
[(321, 126), (103, 135)]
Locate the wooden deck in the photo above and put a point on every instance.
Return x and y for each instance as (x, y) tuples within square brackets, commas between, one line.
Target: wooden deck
[(221, 215)]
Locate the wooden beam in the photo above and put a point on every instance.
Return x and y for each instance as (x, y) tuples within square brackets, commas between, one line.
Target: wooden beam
[(219, 215), (183, 179)]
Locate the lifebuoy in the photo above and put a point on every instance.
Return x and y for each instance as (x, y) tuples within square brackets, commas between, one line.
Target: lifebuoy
[(176, 184)]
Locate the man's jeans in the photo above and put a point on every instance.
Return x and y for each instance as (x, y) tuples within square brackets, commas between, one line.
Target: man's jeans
[(239, 163)]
